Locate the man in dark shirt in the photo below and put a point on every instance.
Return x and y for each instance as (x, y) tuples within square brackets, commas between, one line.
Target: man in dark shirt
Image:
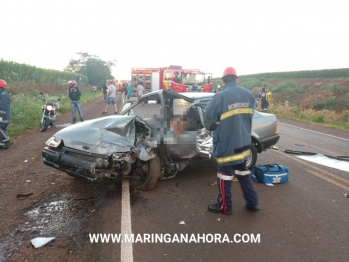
[(230, 115), (74, 95), (194, 88), (105, 93), (262, 97)]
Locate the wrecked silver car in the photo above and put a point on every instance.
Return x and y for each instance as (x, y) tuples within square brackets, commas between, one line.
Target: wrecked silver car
[(151, 139)]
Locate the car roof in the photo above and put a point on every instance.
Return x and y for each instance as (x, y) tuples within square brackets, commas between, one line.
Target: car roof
[(198, 95)]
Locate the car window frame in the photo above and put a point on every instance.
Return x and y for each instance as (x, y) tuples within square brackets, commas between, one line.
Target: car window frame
[(163, 94)]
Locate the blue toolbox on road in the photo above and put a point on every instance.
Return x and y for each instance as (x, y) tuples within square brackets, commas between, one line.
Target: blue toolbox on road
[(270, 174)]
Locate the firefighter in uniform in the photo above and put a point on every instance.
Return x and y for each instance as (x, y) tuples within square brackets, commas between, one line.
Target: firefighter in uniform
[(5, 116), (229, 116)]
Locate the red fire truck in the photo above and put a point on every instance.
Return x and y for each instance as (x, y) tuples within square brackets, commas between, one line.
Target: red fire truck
[(173, 78)]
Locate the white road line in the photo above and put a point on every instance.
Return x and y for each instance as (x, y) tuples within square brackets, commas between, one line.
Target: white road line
[(126, 229), (314, 131)]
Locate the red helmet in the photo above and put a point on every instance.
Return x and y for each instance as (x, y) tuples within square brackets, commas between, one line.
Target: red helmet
[(2, 83), (229, 71), (72, 83)]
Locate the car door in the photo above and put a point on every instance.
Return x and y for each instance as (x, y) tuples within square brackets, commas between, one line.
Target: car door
[(203, 137)]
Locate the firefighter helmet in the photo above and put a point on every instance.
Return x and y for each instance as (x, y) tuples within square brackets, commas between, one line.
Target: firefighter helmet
[(3, 83), (229, 71), (72, 83)]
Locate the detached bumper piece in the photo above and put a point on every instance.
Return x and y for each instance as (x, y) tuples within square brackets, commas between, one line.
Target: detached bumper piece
[(67, 163), (269, 141)]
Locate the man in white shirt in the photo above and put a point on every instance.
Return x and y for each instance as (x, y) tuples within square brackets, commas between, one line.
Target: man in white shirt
[(110, 97), (140, 90)]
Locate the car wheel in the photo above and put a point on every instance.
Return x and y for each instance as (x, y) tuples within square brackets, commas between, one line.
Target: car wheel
[(149, 176), (253, 157)]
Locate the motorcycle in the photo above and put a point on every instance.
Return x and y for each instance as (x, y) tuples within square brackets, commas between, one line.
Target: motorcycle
[(49, 113)]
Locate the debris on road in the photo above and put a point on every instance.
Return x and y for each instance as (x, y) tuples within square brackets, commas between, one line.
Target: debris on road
[(213, 183), (23, 196), (182, 223), (346, 195), (41, 241)]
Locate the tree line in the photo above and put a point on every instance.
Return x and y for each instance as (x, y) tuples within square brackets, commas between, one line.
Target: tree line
[(89, 68)]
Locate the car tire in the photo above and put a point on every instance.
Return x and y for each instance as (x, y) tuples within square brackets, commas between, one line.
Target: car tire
[(152, 175), (253, 157)]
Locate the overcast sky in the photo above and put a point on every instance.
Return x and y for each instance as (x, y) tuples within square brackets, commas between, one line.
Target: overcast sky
[(253, 36)]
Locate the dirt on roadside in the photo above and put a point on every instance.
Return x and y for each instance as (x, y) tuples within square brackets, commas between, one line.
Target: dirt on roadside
[(39, 201)]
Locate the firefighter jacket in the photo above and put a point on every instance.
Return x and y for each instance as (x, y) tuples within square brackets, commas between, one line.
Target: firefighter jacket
[(5, 107), (74, 93), (229, 114)]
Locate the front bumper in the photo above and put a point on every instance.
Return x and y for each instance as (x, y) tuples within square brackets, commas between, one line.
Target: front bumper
[(269, 141), (69, 164)]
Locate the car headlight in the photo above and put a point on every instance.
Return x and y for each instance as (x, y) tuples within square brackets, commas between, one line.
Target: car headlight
[(53, 142)]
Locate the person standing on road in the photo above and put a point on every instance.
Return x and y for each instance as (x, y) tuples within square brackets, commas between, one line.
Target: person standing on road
[(194, 88), (123, 91), (229, 115), (140, 90), (5, 116), (129, 91), (74, 95), (262, 97), (105, 93), (111, 97)]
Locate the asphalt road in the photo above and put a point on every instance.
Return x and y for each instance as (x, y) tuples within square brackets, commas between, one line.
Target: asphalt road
[(305, 219)]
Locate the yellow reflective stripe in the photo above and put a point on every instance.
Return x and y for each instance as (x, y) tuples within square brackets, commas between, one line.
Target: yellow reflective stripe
[(233, 157), (236, 111)]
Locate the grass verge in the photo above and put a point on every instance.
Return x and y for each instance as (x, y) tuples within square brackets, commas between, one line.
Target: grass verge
[(327, 118)]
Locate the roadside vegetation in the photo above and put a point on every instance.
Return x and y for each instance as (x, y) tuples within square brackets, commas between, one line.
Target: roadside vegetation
[(24, 84), (320, 97)]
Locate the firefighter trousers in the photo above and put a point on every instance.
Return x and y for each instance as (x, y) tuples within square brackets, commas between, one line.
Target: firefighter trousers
[(225, 177), (5, 140)]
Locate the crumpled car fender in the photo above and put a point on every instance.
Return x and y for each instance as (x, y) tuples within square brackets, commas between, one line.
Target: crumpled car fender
[(109, 135)]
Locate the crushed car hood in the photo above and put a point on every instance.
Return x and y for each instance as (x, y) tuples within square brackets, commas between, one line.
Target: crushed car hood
[(103, 135)]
